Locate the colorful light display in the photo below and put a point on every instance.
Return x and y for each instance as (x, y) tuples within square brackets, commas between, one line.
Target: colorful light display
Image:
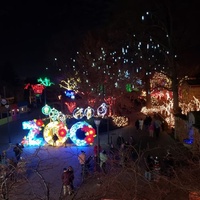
[(78, 113), (57, 128), (46, 110), (38, 88), (70, 84), (34, 127), (129, 88), (70, 93), (57, 125), (82, 134), (89, 112), (120, 121), (102, 110), (46, 82), (71, 106)]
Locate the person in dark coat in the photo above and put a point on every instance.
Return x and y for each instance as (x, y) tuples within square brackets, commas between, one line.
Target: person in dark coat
[(149, 162), (137, 124), (168, 164), (71, 171), (67, 179), (18, 149), (120, 141), (55, 138)]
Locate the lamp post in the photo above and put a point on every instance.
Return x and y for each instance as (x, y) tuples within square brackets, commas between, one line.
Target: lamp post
[(97, 122), (7, 106), (8, 123), (108, 130)]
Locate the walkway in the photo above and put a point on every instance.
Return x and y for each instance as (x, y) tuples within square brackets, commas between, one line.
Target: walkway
[(45, 164)]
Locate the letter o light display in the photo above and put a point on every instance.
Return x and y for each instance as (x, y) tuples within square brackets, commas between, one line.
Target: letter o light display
[(82, 133)]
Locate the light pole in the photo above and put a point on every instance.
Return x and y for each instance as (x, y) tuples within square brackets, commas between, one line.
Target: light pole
[(108, 130), (7, 106), (97, 122), (8, 122)]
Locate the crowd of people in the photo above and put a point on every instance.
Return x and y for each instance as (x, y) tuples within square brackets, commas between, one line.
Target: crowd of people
[(152, 124)]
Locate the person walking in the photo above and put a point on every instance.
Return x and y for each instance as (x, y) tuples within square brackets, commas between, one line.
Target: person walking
[(157, 126), (141, 123), (55, 138), (18, 149), (120, 141), (146, 122), (71, 171), (151, 129), (122, 156), (82, 160), (149, 164), (67, 178), (97, 150), (137, 124), (3, 159), (103, 159), (168, 164), (156, 169)]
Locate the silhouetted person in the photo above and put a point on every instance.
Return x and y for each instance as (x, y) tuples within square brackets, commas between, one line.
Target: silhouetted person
[(137, 124), (55, 138), (120, 141), (67, 178), (18, 149)]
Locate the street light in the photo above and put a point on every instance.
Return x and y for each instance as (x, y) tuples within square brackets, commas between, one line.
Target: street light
[(8, 122), (108, 130), (97, 122), (7, 106)]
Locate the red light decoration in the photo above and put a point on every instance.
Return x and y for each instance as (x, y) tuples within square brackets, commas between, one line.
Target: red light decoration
[(89, 139), (91, 102), (27, 86), (39, 122), (110, 101), (62, 132), (90, 134), (90, 131), (38, 88), (24, 141), (71, 106)]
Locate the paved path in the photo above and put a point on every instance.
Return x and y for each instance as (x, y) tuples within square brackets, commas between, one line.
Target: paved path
[(45, 164)]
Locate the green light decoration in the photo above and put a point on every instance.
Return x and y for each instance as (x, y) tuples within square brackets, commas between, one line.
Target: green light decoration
[(101, 88), (46, 109), (129, 88), (46, 82)]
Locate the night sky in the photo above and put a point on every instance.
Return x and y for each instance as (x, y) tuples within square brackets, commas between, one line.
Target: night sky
[(28, 28)]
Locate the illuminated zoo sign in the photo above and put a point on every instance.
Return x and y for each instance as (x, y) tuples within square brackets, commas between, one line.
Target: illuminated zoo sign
[(81, 133)]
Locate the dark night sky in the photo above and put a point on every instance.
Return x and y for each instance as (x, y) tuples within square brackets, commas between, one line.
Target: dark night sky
[(28, 26)]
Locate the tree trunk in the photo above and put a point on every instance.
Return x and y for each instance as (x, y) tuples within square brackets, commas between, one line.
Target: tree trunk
[(148, 92), (175, 93)]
